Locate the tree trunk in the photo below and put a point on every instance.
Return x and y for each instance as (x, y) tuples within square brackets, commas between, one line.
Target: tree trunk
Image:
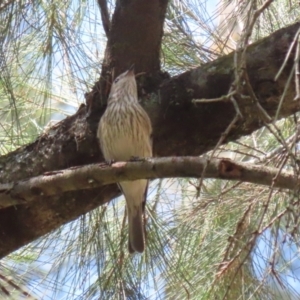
[(134, 38)]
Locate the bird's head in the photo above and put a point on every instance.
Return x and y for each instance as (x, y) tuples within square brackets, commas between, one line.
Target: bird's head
[(125, 83)]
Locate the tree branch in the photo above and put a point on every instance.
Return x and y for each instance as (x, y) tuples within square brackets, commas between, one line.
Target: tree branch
[(104, 16), (97, 175)]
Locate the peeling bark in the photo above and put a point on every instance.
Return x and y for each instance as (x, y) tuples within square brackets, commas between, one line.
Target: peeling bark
[(180, 128)]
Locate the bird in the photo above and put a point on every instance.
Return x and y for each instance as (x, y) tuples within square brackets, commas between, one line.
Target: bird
[(124, 132)]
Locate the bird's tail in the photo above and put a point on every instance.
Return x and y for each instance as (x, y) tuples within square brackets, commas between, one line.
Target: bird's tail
[(136, 225), (135, 193)]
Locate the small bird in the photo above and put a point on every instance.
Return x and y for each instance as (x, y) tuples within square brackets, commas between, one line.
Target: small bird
[(124, 132)]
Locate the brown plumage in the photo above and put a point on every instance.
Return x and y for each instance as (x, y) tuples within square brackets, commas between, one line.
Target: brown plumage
[(124, 132)]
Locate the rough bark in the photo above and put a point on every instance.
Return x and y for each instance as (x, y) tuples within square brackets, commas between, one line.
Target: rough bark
[(180, 128), (104, 16), (97, 175), (134, 38)]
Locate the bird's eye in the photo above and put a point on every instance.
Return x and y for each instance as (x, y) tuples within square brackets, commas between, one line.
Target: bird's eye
[(116, 80)]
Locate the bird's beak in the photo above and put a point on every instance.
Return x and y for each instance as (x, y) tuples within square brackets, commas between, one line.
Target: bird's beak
[(130, 71)]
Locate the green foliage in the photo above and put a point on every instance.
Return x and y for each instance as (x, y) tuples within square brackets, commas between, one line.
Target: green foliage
[(48, 54)]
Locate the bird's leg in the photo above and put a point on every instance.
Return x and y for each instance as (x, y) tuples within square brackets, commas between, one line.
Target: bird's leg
[(136, 158)]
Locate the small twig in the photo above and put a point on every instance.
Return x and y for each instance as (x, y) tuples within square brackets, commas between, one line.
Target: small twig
[(235, 151), (224, 98), (290, 141), (280, 139), (231, 188), (276, 218), (254, 98), (250, 26), (240, 59), (287, 55), (221, 140), (297, 71), (226, 133), (249, 245), (255, 148), (239, 230), (287, 84), (236, 107)]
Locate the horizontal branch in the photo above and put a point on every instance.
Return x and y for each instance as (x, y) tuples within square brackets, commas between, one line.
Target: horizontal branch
[(96, 175)]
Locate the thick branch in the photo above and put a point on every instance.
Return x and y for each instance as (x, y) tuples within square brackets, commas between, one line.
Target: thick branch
[(197, 128), (97, 175)]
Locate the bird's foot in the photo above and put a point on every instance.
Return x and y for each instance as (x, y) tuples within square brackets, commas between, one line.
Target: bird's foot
[(109, 162)]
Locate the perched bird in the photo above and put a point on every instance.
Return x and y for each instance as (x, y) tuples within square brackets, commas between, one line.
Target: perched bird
[(124, 132)]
